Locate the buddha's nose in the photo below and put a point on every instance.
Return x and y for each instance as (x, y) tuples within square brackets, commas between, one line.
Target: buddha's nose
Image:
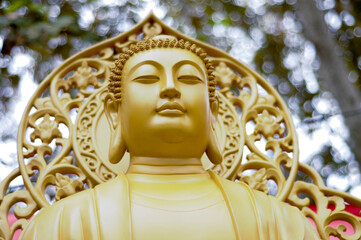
[(170, 92)]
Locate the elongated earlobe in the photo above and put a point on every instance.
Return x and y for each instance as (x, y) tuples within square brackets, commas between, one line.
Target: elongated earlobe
[(117, 146), (213, 152)]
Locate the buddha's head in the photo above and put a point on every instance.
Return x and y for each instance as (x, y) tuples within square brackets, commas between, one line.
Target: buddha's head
[(162, 101)]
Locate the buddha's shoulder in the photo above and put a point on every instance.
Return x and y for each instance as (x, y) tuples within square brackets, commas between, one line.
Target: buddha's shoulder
[(74, 208), (84, 198), (239, 190), (269, 209), (76, 203)]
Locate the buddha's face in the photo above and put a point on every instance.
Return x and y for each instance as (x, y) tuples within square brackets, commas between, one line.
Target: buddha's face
[(165, 109)]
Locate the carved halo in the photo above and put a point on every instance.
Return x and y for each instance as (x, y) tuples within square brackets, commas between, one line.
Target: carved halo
[(62, 137), (72, 97)]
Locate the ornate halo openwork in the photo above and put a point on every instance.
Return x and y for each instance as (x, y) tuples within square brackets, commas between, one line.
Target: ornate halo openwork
[(64, 133), (63, 137)]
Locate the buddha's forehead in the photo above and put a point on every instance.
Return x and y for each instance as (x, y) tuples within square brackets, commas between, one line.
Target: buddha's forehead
[(165, 58)]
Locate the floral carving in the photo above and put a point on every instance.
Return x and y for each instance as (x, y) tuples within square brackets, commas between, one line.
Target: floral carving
[(323, 216), (257, 180), (84, 76), (225, 77), (266, 110), (47, 130), (66, 186), (44, 102), (151, 30), (268, 126)]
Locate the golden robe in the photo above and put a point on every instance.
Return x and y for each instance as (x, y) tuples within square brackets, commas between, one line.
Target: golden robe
[(112, 211)]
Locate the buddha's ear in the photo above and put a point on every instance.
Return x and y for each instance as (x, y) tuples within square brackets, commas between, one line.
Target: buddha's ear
[(213, 152), (111, 110), (117, 146)]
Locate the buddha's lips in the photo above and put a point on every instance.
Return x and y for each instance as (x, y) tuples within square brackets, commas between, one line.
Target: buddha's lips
[(171, 106)]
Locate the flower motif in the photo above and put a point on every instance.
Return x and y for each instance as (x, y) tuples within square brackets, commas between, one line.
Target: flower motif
[(66, 186), (44, 102), (84, 76), (268, 126), (151, 30), (47, 130), (224, 76), (257, 181)]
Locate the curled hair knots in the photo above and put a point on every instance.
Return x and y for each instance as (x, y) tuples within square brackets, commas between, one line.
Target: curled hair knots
[(114, 86)]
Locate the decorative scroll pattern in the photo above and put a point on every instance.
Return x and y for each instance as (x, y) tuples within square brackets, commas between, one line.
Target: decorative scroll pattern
[(234, 138), (87, 156), (325, 200), (57, 150), (271, 121)]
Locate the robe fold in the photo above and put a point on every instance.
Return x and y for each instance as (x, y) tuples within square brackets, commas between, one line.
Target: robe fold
[(105, 213)]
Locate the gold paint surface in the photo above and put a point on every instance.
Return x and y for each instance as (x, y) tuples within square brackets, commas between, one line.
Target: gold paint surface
[(144, 158)]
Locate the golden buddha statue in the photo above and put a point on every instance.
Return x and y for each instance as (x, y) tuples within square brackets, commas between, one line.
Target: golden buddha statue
[(162, 109)]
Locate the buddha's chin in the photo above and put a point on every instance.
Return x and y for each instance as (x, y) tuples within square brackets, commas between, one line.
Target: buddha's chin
[(173, 135), (177, 130), (171, 130)]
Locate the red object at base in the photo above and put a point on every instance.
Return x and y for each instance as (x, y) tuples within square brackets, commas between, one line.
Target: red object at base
[(349, 229), (11, 220)]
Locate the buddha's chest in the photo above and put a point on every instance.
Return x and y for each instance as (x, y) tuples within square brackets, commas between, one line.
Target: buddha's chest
[(179, 211)]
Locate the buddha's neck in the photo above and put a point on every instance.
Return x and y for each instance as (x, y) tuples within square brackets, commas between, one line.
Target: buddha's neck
[(165, 166)]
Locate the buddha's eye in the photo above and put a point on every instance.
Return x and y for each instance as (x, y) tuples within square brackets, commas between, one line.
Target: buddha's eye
[(146, 79), (189, 79)]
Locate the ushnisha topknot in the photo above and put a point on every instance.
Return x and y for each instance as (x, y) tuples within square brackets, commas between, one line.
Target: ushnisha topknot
[(153, 43)]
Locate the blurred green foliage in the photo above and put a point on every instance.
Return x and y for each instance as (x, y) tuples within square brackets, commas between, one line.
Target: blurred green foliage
[(51, 31)]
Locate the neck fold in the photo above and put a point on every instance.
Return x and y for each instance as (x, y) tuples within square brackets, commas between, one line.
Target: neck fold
[(165, 166)]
